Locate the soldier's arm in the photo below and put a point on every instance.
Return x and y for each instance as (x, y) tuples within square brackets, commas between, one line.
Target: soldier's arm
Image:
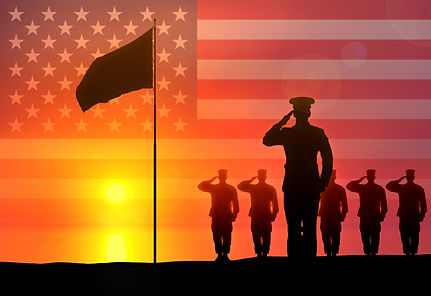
[(344, 207), (383, 205), (394, 186), (327, 162), (206, 185), (355, 185), (246, 185), (423, 205), (275, 135)]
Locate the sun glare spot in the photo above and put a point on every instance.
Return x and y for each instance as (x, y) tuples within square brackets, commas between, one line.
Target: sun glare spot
[(116, 193), (116, 249)]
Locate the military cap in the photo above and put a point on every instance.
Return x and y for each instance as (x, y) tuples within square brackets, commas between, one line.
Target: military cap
[(410, 172), (222, 172), (302, 103), (371, 172), (261, 172)]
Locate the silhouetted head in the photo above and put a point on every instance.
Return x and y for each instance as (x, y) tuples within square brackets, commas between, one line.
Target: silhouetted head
[(222, 175), (371, 175), (410, 175), (261, 175), (333, 176), (301, 107)]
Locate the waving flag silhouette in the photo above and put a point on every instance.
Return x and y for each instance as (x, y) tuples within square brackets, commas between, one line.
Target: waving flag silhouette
[(124, 70)]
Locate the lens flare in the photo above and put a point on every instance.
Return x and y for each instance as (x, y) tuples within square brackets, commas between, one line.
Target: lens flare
[(116, 193)]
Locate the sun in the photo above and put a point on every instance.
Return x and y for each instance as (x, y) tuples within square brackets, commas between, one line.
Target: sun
[(116, 193)]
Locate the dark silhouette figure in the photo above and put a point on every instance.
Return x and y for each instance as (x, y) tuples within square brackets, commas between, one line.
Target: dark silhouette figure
[(411, 210), (263, 210), (372, 210), (224, 209), (333, 210), (302, 183)]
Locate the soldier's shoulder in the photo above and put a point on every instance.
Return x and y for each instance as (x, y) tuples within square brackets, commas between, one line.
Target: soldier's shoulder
[(317, 130)]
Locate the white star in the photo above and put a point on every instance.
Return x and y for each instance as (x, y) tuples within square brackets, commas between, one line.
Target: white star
[(81, 42), (163, 28), (163, 83), (49, 125), (131, 112), (147, 98), (180, 42), (49, 15), (65, 112), (49, 70), (114, 42), (65, 29), (147, 14), (130, 28), (81, 126), (16, 126), (48, 42), (180, 70), (65, 84), (65, 56), (32, 111), (114, 14), (16, 42), (179, 125), (98, 28), (180, 14), (147, 125), (97, 54), (180, 98), (163, 56), (32, 56), (16, 98), (114, 126), (49, 98), (16, 15), (163, 111), (16, 70), (32, 28), (81, 70), (32, 84), (98, 112), (82, 15)]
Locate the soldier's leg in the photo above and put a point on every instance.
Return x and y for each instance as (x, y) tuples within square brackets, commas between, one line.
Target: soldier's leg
[(227, 238), (335, 242), (365, 237), (217, 237), (309, 229), (326, 238), (293, 235), (375, 239), (414, 242)]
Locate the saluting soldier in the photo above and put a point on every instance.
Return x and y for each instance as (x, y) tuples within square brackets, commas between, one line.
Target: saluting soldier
[(333, 210), (372, 210), (412, 209), (302, 182), (224, 210), (263, 210)]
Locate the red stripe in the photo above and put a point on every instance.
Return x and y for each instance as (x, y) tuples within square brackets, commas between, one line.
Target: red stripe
[(313, 9), (314, 49), (321, 89), (334, 128), (195, 168)]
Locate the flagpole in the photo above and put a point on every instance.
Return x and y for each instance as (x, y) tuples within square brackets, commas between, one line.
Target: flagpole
[(154, 150)]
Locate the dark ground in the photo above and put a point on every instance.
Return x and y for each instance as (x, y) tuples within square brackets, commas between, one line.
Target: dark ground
[(382, 274)]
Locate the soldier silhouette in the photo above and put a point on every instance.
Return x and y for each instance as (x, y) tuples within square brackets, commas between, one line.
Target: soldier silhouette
[(333, 210), (372, 210), (263, 210), (224, 209), (412, 209), (302, 183)]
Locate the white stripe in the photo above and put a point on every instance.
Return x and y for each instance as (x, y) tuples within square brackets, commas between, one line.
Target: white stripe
[(323, 109), (314, 29), (314, 69), (205, 149)]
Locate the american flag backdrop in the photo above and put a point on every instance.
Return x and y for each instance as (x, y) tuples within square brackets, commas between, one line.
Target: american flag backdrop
[(225, 72)]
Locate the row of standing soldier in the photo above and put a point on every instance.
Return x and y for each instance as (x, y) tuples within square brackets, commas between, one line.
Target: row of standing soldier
[(332, 211), (302, 187)]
